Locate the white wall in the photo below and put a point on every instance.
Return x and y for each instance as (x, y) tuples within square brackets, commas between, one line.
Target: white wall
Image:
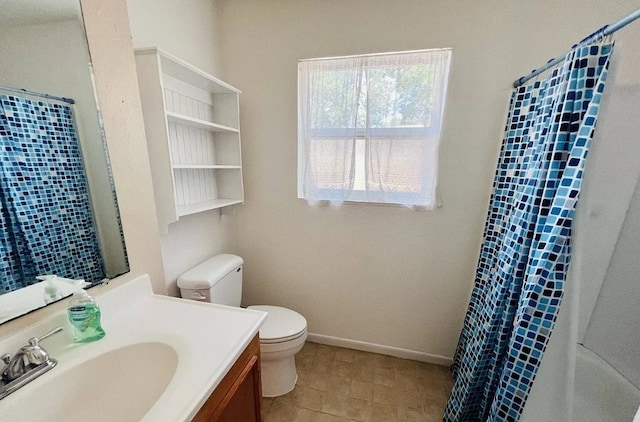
[(383, 275), (188, 30)]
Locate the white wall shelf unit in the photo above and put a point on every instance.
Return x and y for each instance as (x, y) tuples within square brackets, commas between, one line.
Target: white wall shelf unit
[(192, 122)]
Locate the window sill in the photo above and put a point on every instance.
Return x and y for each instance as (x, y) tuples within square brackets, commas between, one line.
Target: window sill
[(325, 203)]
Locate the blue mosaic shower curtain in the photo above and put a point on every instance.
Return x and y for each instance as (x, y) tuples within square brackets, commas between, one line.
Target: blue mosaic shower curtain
[(526, 247), (46, 221)]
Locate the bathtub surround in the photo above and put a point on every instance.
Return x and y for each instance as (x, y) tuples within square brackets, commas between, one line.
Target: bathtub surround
[(616, 316), (527, 241), (601, 392)]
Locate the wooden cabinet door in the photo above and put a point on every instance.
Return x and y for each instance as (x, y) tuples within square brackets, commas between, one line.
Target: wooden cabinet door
[(238, 397)]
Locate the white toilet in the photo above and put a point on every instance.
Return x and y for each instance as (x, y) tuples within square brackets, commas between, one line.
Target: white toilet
[(219, 280)]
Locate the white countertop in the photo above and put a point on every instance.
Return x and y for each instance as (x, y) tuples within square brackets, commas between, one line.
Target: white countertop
[(207, 338)]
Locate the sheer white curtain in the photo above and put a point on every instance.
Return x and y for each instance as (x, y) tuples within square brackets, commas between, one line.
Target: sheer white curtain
[(328, 92), (369, 127)]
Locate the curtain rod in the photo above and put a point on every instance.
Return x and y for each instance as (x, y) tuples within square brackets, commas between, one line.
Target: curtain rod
[(37, 94), (602, 32), (394, 53)]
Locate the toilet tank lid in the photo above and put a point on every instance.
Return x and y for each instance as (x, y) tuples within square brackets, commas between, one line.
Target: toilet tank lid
[(206, 274)]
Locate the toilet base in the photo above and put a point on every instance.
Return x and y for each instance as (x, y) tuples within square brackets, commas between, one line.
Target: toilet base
[(278, 376)]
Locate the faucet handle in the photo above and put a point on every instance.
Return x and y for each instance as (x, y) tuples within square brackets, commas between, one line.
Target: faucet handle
[(34, 341), (33, 353)]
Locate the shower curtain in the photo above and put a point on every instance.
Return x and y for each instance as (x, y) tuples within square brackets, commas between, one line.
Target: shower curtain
[(46, 221), (526, 248)]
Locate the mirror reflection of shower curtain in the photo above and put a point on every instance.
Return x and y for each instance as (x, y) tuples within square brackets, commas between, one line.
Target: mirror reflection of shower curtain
[(46, 220)]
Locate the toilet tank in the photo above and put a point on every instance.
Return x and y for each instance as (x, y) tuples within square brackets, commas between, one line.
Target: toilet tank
[(216, 280)]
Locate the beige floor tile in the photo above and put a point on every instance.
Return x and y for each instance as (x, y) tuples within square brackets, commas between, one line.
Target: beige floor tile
[(324, 351), (363, 372), (384, 394), (322, 364), (360, 410), (324, 417), (434, 409), (383, 412), (346, 355), (361, 390), (313, 379), (408, 414), (384, 376), (434, 390), (407, 381), (335, 404), (343, 369), (404, 364), (311, 399), (265, 406), (411, 398), (292, 398), (304, 361), (279, 412), (305, 415), (339, 385), (309, 349), (366, 358), (386, 362)]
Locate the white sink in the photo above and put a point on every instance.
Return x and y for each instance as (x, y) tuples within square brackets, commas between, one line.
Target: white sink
[(99, 389), (161, 359)]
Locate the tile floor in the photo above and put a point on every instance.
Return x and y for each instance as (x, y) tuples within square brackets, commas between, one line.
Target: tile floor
[(336, 384)]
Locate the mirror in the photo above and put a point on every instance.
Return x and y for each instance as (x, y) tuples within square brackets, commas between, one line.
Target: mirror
[(58, 208)]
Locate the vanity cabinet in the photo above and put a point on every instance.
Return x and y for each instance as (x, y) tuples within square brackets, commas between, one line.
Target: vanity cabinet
[(192, 125), (238, 396)]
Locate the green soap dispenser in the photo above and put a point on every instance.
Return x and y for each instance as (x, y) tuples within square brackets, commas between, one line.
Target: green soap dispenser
[(84, 315)]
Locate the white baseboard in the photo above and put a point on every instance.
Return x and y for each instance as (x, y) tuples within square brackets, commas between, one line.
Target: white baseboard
[(380, 349)]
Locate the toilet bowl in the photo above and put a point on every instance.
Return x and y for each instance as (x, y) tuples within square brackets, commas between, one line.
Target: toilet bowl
[(281, 336), (219, 280)]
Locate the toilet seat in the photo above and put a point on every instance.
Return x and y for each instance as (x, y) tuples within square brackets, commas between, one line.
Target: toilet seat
[(281, 324)]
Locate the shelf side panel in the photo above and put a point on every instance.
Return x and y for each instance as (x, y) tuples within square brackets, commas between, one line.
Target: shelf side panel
[(153, 109)]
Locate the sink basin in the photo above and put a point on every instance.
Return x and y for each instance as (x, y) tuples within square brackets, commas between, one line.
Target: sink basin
[(119, 385), (161, 360)]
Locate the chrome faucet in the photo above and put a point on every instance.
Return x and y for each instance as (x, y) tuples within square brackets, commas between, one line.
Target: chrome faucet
[(26, 364)]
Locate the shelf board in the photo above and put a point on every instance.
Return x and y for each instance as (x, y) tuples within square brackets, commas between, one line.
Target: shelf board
[(213, 204), (197, 123), (204, 166), (182, 70)]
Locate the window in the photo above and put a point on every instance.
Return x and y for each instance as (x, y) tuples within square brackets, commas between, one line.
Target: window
[(369, 127)]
